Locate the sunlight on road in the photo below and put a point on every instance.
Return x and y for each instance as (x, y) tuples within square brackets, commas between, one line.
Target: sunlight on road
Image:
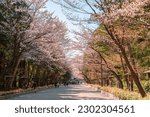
[(86, 92), (72, 92)]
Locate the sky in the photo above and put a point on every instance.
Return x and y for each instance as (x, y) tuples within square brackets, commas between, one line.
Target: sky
[(52, 7)]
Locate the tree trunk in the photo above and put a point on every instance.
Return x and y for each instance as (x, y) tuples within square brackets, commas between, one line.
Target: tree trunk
[(115, 74), (125, 71), (86, 78), (15, 72), (119, 81), (131, 85), (134, 75), (105, 62), (101, 83), (132, 71), (127, 81)]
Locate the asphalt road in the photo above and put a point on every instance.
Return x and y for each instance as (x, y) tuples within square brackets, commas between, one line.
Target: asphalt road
[(72, 92)]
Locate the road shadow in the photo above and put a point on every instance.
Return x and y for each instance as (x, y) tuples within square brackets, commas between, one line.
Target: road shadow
[(72, 92)]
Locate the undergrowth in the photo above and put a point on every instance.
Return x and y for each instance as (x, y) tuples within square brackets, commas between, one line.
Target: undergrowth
[(124, 94)]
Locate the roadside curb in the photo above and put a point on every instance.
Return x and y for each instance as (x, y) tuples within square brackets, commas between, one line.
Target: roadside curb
[(104, 92), (27, 91)]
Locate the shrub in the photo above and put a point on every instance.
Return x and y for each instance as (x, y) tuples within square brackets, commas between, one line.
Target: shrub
[(124, 94), (147, 86)]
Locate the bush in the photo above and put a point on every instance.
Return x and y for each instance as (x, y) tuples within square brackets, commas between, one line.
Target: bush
[(147, 86), (124, 94)]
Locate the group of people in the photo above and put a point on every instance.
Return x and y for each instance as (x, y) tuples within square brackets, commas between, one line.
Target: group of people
[(66, 84), (57, 84)]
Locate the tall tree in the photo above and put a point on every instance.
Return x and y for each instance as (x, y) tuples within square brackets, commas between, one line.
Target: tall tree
[(115, 16)]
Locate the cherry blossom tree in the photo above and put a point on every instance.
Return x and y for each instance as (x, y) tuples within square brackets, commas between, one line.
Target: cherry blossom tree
[(121, 11), (116, 17), (37, 34)]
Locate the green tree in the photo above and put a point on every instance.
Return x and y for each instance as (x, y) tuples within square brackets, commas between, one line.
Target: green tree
[(14, 21)]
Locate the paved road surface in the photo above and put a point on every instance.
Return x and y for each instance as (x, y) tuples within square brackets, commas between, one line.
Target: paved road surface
[(72, 92)]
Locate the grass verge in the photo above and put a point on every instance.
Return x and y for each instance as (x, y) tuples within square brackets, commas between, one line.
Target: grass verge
[(124, 94), (12, 93)]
